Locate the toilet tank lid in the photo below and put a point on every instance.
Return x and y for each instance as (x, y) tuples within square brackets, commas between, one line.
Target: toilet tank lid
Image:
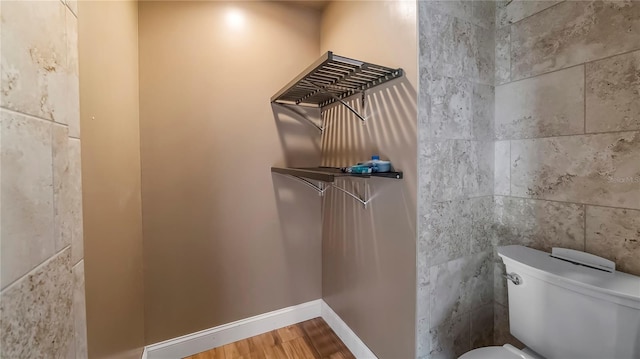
[(557, 271)]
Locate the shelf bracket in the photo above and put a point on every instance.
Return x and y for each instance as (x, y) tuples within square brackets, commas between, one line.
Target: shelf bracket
[(344, 103), (302, 115), (364, 201), (321, 188)]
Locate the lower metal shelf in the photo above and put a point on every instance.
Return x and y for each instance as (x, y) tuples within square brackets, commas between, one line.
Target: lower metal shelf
[(327, 175)]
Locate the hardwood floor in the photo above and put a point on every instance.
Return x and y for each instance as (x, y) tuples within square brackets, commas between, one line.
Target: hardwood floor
[(313, 339)]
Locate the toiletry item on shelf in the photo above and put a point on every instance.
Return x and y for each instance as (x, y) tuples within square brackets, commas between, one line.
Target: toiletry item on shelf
[(377, 165), (360, 169)]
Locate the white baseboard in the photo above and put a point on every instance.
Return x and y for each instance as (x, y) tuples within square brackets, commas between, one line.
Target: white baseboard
[(228, 333), (357, 347)]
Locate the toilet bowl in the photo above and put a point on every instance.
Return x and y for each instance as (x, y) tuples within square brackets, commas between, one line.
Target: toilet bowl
[(506, 351), (567, 304)]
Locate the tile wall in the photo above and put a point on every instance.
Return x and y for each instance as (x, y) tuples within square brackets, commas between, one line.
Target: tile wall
[(567, 130), (42, 305), (455, 177), (552, 119)]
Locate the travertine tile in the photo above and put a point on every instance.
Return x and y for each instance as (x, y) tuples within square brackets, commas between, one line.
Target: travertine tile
[(481, 13), (422, 265), (447, 231), (457, 169), (451, 338), (422, 310), (501, 334), (456, 8), (483, 112), (79, 312), (424, 104), (424, 12), (72, 95), (1, 148), (74, 202), (482, 224), (422, 318), (547, 105), (34, 75), (574, 32), (460, 286), (594, 169), (423, 339), (538, 224), (460, 109), (27, 195), (451, 115), (503, 56), (614, 233), (502, 168), (500, 292), (456, 48), (36, 312), (67, 195), (484, 13), (509, 12), (481, 155), (60, 148), (613, 94), (481, 326)]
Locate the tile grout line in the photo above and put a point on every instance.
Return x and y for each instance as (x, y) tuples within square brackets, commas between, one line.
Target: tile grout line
[(584, 100), (470, 340), (567, 202), (568, 135), (55, 199), (77, 264), (571, 66), (37, 267), (534, 14), (510, 165), (32, 117), (585, 226), (462, 199), (510, 78)]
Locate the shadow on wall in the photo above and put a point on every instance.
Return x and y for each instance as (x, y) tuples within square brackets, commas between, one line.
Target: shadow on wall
[(299, 138), (366, 257), (390, 127), (369, 254), (390, 131), (299, 207)]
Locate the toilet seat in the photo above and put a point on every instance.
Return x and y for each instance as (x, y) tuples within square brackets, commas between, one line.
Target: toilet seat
[(504, 352)]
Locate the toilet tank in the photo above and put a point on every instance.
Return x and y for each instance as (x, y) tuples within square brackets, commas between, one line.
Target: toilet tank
[(562, 310)]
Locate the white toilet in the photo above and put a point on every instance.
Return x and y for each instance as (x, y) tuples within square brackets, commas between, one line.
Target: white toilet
[(568, 309)]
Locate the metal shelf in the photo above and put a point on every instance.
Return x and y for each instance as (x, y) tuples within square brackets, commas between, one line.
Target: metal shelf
[(327, 175), (331, 79)]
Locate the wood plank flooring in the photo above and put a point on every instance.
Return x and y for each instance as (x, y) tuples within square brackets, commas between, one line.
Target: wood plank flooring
[(313, 339)]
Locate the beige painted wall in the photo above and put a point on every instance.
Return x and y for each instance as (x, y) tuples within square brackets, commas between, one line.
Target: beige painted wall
[(368, 268), (224, 239), (108, 43)]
